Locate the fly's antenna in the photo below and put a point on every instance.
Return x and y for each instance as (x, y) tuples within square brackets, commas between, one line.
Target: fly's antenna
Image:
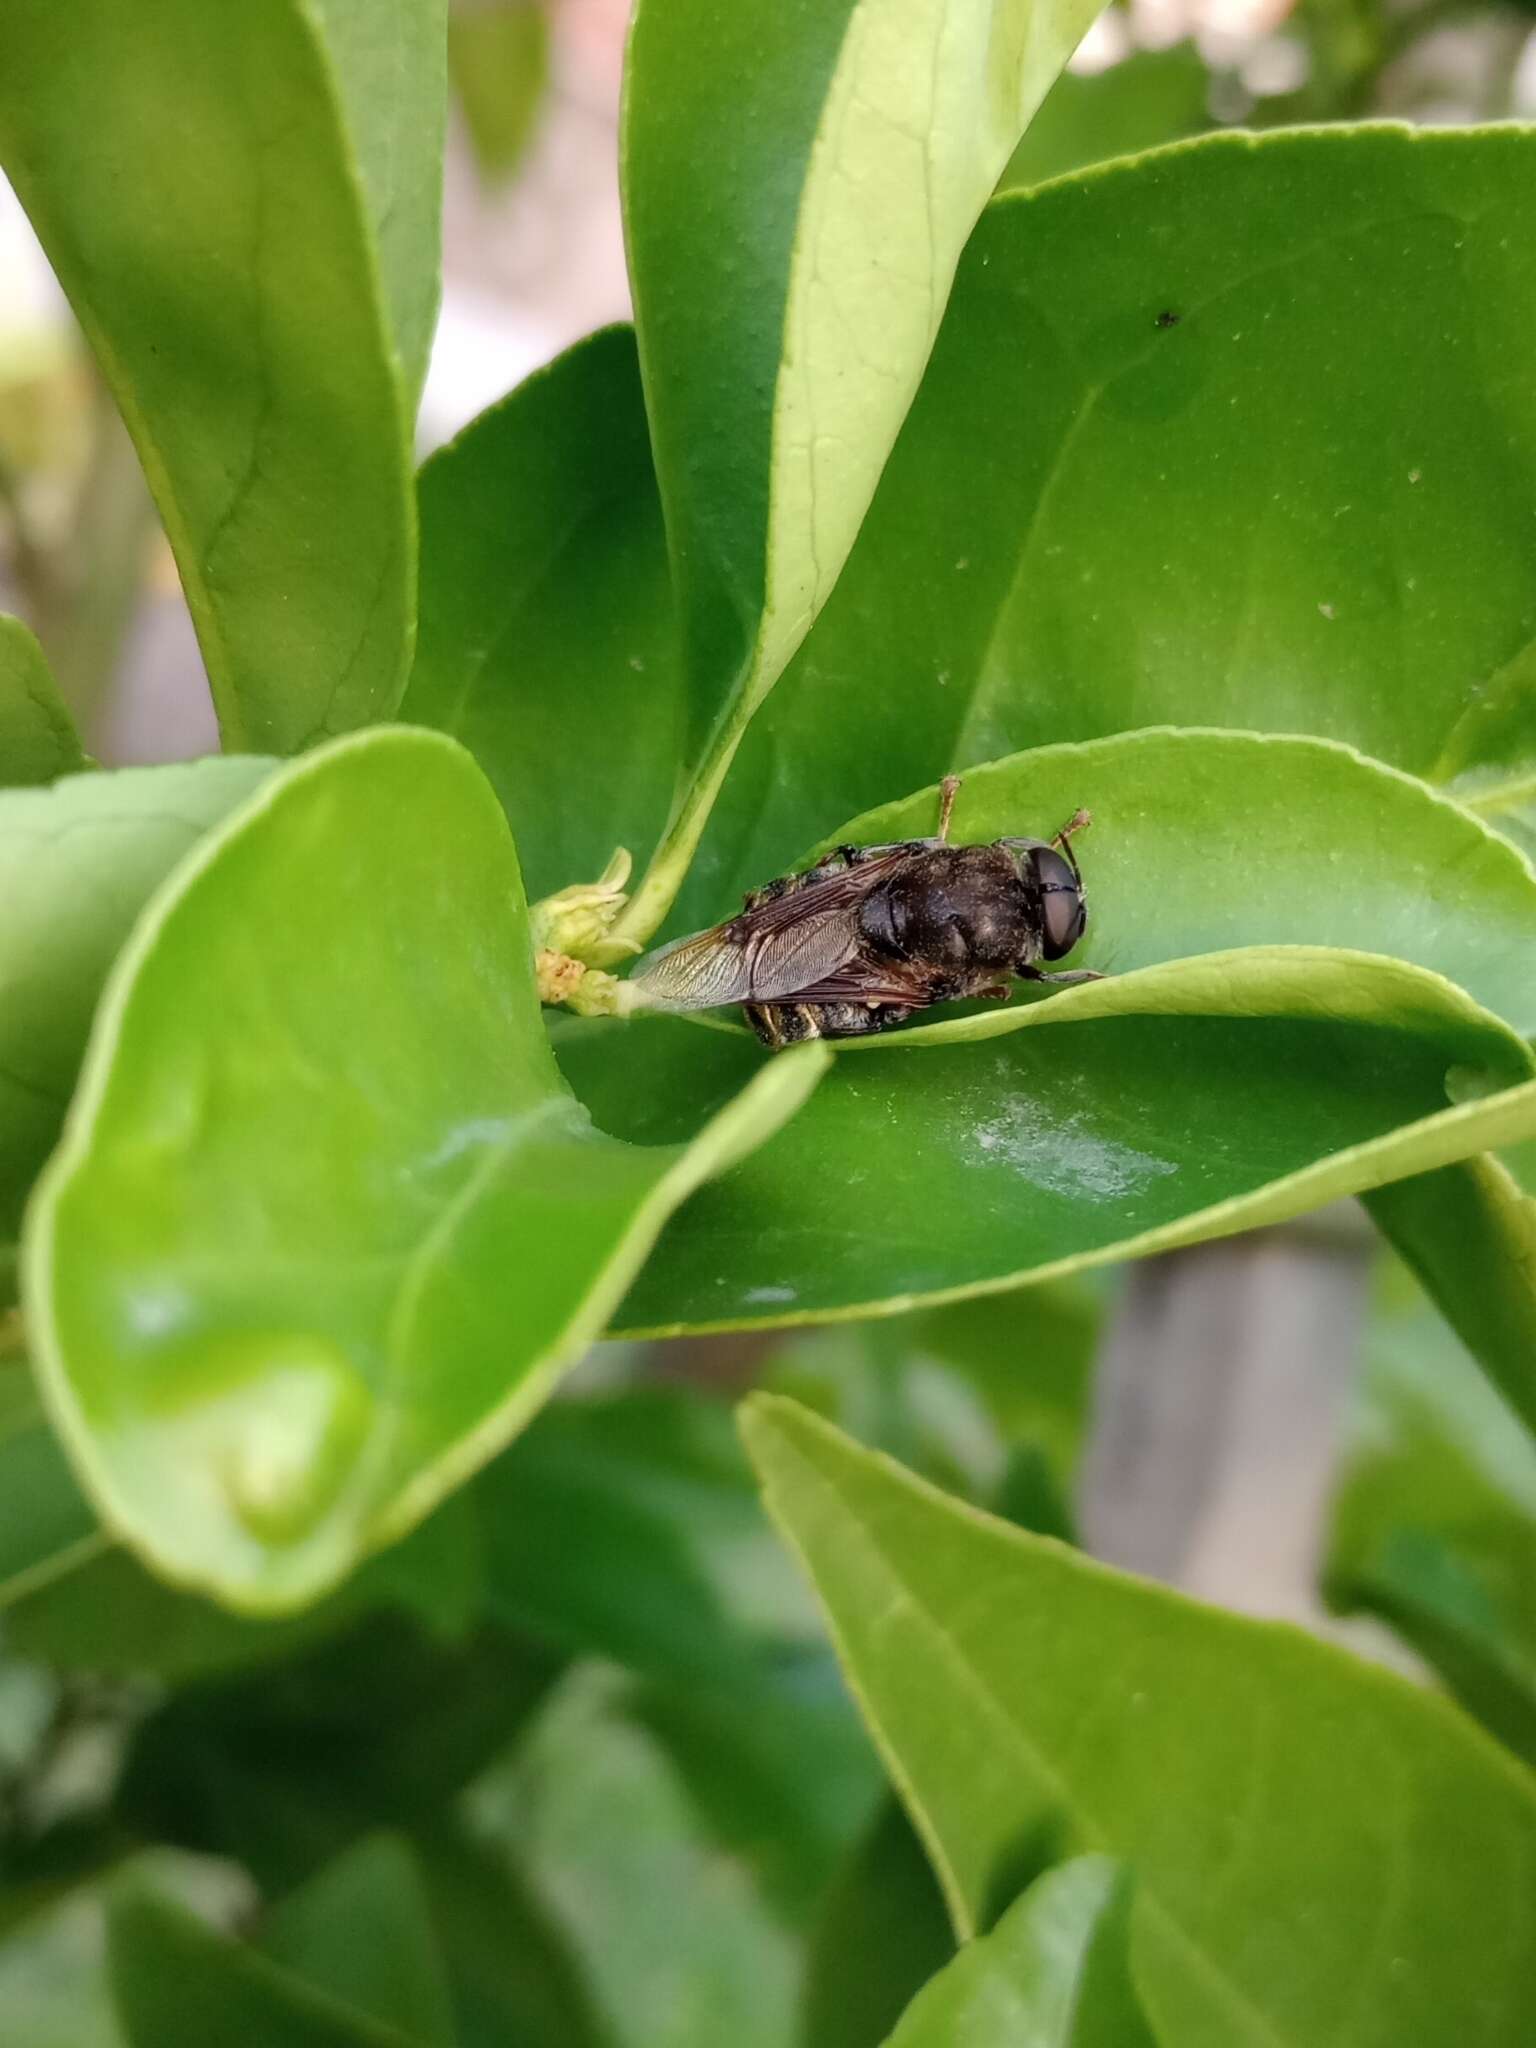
[(949, 789), (1078, 822)]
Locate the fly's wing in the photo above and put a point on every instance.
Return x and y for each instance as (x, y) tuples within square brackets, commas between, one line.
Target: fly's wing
[(703, 972), (773, 952), (906, 982)]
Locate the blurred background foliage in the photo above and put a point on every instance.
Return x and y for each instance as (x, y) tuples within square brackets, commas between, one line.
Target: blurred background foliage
[(576, 1754)]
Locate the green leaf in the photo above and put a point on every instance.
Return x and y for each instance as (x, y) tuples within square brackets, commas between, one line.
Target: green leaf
[(76, 864), (1204, 841), (547, 642), (1469, 1233), (38, 741), (326, 1225), (283, 1768), (883, 1933), (1434, 1523), (1150, 97), (189, 174), (360, 1931), (514, 1978), (629, 1527), (1095, 521), (180, 1985), (678, 1947), (1321, 1851), (72, 1598), (1053, 1973), (987, 1398), (498, 58), (1198, 1091), (390, 59), (48, 1528), (959, 1171), (792, 243)]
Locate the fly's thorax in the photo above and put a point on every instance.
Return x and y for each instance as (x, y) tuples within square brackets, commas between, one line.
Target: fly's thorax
[(959, 906)]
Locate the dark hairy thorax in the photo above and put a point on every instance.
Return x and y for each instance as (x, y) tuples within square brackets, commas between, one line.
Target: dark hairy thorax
[(961, 907)]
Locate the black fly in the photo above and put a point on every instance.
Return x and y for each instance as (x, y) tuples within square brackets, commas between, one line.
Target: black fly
[(872, 933)]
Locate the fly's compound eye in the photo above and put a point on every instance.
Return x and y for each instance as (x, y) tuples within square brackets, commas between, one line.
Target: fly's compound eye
[(1064, 910)]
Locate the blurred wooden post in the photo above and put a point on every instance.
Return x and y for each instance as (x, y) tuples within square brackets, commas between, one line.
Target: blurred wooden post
[(1218, 1404)]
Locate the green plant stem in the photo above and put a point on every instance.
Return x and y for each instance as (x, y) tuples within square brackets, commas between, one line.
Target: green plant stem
[(647, 907)]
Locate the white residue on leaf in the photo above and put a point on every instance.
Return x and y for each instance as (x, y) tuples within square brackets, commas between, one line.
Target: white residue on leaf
[(1061, 1153), (765, 1295)]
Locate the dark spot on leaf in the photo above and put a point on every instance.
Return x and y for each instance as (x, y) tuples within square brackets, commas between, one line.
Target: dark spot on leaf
[(1166, 319)]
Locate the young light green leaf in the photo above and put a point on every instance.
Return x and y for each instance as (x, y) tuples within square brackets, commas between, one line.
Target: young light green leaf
[(390, 61), (1321, 1851), (77, 862), (1156, 472), (191, 176), (179, 1985), (38, 741), (1434, 1522), (326, 1225), (792, 243), (547, 642), (1053, 1973), (360, 1931)]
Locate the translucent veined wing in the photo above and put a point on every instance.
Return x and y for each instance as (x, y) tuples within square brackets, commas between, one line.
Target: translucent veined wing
[(773, 951), (701, 972)]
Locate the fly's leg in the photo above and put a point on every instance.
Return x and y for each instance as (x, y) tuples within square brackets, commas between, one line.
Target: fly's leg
[(949, 789), (1078, 822), (781, 1024), (1072, 976)]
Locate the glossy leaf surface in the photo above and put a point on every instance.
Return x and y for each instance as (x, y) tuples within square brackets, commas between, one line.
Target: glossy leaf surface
[(327, 1225), (77, 863), (1324, 1794), (1196, 1090), (547, 643), (1156, 471), (791, 244), (1053, 1973), (38, 740), (1055, 1149), (191, 175), (1203, 841)]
